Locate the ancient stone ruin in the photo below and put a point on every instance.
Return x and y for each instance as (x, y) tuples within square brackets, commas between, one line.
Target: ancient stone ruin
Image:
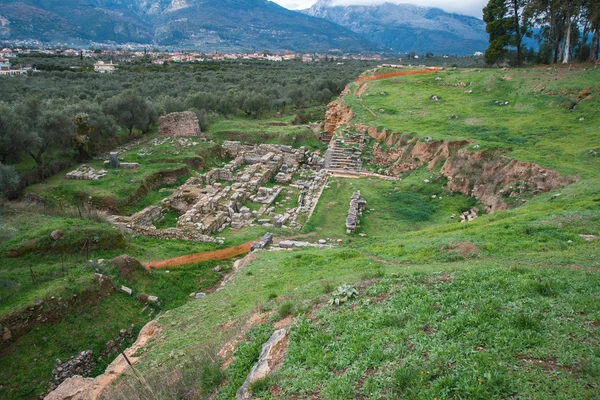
[(357, 205), (344, 152), (86, 173), (265, 241), (180, 124), (114, 162), (218, 199)]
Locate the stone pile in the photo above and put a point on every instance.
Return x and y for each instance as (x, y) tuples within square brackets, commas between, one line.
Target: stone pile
[(357, 205), (468, 216), (82, 364), (265, 241), (113, 347), (86, 173)]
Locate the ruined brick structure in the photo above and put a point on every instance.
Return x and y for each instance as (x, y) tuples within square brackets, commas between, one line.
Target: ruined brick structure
[(180, 124)]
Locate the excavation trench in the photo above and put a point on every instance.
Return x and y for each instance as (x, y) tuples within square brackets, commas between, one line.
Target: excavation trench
[(221, 254)]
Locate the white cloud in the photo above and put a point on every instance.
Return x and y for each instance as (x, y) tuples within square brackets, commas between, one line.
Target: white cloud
[(469, 7)]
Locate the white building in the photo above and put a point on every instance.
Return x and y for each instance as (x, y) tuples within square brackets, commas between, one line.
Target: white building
[(103, 67), (6, 71)]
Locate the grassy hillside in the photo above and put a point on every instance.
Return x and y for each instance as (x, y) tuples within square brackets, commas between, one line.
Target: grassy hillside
[(541, 122), (504, 306)]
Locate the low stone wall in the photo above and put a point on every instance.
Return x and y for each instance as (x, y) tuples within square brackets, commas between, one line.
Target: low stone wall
[(357, 205)]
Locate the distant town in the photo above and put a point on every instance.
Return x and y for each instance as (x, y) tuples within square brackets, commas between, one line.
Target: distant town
[(108, 60)]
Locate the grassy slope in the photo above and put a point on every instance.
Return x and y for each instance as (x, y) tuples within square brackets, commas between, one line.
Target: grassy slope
[(513, 320), (535, 126), (518, 287)]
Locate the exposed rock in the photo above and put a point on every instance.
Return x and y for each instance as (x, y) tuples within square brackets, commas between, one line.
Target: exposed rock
[(77, 388), (271, 356), (337, 114), (492, 178), (57, 234), (468, 216), (179, 124), (126, 265), (588, 238)]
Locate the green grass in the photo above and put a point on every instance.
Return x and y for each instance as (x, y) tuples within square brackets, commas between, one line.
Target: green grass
[(504, 306), (480, 334), (535, 126), (393, 207), (277, 130), (25, 367)]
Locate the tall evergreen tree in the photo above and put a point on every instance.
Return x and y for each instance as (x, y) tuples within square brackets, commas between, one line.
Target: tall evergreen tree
[(508, 22), (494, 15)]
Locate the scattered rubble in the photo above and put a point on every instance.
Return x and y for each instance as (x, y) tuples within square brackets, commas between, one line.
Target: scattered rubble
[(82, 364), (86, 173), (265, 241)]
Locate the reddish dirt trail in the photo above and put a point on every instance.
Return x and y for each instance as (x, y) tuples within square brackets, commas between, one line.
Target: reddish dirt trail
[(205, 256), (394, 74)]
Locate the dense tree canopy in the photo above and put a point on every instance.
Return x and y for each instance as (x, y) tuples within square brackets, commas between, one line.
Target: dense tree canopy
[(49, 115), (567, 30)]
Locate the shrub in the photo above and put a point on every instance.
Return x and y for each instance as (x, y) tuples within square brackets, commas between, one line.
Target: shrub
[(342, 294)]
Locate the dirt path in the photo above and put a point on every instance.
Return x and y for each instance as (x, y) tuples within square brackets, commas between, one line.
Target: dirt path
[(222, 254), (430, 70)]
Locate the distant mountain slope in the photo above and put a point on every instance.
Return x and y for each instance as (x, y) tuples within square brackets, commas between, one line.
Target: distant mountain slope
[(405, 27), (206, 24)]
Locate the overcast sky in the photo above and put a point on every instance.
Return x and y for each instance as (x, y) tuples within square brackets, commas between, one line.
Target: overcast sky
[(469, 7)]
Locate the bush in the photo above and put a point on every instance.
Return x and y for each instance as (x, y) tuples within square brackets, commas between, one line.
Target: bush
[(343, 294)]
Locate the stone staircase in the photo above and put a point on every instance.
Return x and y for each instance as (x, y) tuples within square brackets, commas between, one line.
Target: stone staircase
[(340, 157)]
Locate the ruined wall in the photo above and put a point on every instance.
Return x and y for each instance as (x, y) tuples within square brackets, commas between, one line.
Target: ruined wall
[(52, 310), (179, 124)]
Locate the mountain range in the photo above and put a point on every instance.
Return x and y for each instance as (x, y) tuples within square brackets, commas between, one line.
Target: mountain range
[(233, 25), (203, 24), (406, 27)]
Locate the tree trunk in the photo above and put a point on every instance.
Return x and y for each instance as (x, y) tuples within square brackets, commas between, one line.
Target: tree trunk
[(568, 42), (518, 38), (594, 46), (38, 157)]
